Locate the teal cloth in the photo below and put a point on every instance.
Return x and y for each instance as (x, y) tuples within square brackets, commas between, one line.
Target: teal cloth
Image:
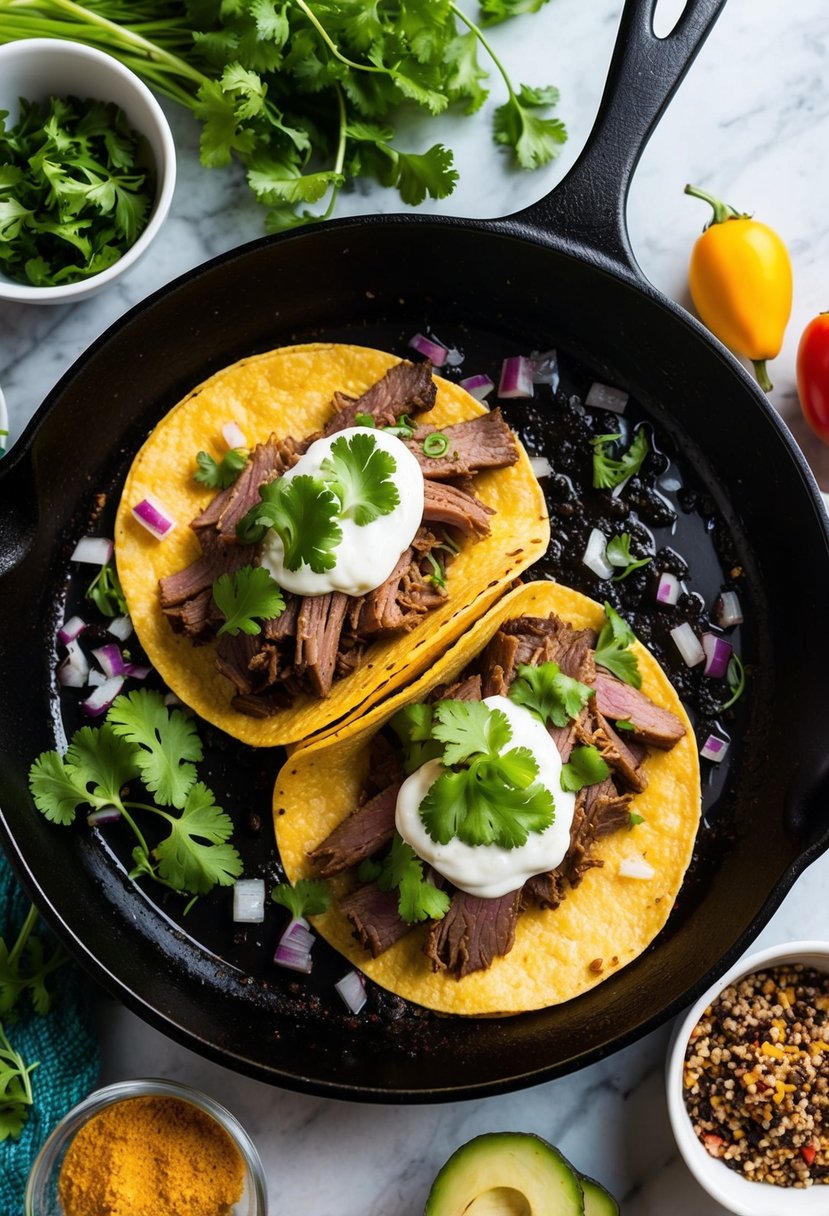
[(64, 1041)]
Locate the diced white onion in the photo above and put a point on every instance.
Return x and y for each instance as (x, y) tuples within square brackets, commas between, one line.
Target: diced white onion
[(667, 589), (433, 351), (541, 466), (153, 516), (717, 655), (454, 357), (94, 550), (479, 386), (71, 629), (249, 901), (96, 678), (635, 866), (120, 627), (100, 699), (73, 671), (352, 989), (545, 368), (516, 378), (605, 397), (234, 436), (688, 644), (714, 749), (727, 611), (594, 555)]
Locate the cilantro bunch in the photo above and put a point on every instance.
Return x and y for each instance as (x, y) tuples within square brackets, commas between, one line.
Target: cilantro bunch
[(305, 93), (142, 742)]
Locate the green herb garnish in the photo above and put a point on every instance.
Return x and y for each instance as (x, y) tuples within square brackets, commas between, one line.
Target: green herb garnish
[(247, 593), (141, 739), (413, 726), (619, 555), (610, 471), (438, 575), (401, 869), (585, 767), (636, 819), (549, 693), (435, 444), (359, 473), (612, 648), (307, 897), (735, 675), (219, 474), (105, 591), (15, 1089)]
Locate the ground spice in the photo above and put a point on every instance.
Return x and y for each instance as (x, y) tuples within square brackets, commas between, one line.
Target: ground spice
[(756, 1080), (151, 1156)]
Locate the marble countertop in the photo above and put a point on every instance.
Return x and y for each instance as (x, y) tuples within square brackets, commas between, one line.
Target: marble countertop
[(750, 123)]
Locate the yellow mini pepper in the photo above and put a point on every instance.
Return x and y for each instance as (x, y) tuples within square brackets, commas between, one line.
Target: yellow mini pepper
[(740, 278)]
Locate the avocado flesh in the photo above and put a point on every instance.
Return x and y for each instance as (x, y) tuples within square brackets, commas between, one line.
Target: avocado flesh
[(506, 1174), (598, 1201)]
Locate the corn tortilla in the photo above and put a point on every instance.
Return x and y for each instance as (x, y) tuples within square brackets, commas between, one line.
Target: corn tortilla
[(289, 391), (607, 917)]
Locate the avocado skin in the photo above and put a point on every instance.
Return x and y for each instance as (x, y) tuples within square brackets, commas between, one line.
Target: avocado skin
[(597, 1200), (509, 1161)]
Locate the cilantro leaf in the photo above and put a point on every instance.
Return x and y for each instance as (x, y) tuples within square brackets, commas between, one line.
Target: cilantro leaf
[(413, 726), (469, 728), (307, 897), (535, 140), (196, 856), (247, 593), (165, 743), (549, 693), (105, 591), (15, 1089), (418, 899), (303, 512), (585, 767), (494, 11), (219, 474), (619, 555), (612, 648), (359, 472), (610, 471)]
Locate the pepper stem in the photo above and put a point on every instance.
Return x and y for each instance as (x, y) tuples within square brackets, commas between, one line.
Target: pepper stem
[(722, 211), (762, 375)]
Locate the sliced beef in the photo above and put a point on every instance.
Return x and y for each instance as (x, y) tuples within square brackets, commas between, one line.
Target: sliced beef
[(594, 730), (201, 574), (467, 689), (198, 616), (319, 623), (473, 932), (233, 658), (546, 890), (400, 602), (446, 504), (364, 832), (499, 663), (650, 723), (267, 460), (485, 442), (279, 628), (405, 388), (374, 915)]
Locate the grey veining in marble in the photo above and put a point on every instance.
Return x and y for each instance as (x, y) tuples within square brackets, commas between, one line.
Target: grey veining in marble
[(750, 123)]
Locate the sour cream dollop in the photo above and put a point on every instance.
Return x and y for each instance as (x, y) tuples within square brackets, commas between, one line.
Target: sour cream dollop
[(488, 870), (366, 555)]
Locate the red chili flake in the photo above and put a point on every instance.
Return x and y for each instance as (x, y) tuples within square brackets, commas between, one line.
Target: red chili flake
[(713, 1144), (807, 1152)]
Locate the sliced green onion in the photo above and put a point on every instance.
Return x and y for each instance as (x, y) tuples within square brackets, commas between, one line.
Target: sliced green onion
[(364, 420), (438, 577), (435, 444)]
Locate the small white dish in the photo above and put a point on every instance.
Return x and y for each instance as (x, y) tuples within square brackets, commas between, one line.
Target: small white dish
[(731, 1189), (39, 68)]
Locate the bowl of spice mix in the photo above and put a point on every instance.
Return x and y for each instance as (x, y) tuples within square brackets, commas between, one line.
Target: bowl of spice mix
[(748, 1084), (148, 1147), (87, 170)]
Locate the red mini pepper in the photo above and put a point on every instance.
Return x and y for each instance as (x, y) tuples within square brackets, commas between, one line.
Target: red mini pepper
[(813, 375)]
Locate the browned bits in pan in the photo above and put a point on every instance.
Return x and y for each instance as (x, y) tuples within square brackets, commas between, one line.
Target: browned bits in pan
[(756, 1080)]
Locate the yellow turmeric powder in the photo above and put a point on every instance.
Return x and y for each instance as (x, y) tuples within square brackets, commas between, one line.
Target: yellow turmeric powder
[(151, 1156)]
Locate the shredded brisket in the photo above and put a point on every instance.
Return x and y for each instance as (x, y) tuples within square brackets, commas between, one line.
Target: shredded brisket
[(364, 832), (373, 913), (447, 504), (473, 932), (318, 627), (649, 723), (406, 388), (485, 442)]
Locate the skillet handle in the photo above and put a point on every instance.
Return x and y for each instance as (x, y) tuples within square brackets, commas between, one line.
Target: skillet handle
[(18, 509), (588, 206)]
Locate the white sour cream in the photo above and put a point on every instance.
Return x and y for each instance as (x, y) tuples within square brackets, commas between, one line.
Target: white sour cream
[(366, 555), (487, 870)]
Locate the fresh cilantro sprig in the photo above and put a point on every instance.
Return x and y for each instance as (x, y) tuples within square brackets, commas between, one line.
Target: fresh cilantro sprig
[(550, 694), (141, 739), (487, 793), (413, 726), (360, 475), (105, 591), (219, 474), (610, 471), (249, 592), (307, 897), (612, 648), (402, 870), (619, 555), (586, 766), (16, 1096)]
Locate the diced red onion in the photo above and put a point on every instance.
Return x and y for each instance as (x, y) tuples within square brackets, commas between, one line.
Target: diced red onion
[(727, 611), (433, 351), (234, 436), (714, 748), (594, 555), (73, 671), (541, 466), (249, 901), (110, 660), (667, 589), (717, 655), (479, 386), (153, 516), (545, 368), (138, 671), (605, 397), (104, 814), (298, 934), (94, 550), (635, 866), (516, 377), (71, 629), (293, 960), (120, 627), (352, 989), (294, 948), (100, 699), (688, 644)]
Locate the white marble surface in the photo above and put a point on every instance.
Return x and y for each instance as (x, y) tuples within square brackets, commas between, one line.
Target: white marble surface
[(751, 123)]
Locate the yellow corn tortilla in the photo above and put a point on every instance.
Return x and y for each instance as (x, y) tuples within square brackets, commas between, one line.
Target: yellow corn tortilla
[(289, 392), (607, 917)]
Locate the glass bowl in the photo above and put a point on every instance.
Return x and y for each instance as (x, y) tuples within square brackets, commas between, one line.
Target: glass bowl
[(42, 1198)]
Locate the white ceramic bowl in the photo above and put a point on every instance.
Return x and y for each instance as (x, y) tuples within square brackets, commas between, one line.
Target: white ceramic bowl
[(736, 1193), (39, 68)]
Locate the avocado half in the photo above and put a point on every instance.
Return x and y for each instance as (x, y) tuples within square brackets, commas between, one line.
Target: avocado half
[(514, 1174)]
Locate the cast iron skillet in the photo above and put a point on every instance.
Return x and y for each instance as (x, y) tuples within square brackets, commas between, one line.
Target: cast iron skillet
[(560, 272)]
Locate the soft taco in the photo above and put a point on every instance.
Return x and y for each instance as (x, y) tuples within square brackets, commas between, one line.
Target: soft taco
[(627, 835), (321, 657)]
